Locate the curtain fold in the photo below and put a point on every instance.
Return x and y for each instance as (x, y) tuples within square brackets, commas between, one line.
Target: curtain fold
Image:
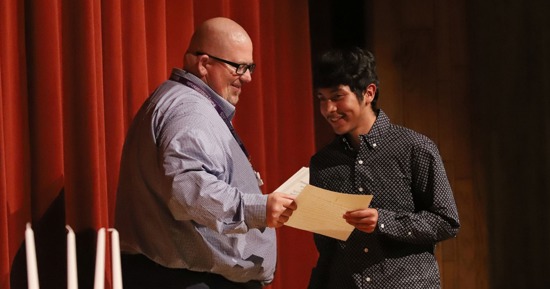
[(72, 76), (18, 204), (44, 94), (83, 124), (113, 90)]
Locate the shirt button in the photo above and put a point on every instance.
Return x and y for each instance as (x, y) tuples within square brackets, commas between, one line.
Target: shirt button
[(360, 162), (366, 250), (374, 145), (382, 226), (360, 189), (368, 279), (409, 233)]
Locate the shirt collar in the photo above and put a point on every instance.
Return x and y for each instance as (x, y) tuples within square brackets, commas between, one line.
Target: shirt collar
[(226, 107), (375, 135), (379, 128)]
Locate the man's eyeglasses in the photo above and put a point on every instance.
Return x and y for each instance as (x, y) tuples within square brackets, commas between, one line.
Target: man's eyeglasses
[(240, 68)]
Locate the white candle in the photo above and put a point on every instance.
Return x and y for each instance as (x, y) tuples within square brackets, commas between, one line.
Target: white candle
[(115, 258), (72, 279), (32, 269), (99, 280)]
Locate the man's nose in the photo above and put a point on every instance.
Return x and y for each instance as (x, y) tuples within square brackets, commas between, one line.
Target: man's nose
[(246, 76)]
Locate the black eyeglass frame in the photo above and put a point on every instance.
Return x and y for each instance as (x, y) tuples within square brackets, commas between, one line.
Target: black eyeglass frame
[(243, 67)]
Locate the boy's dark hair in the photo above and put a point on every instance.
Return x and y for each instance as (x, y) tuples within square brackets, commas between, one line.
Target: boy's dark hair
[(353, 67)]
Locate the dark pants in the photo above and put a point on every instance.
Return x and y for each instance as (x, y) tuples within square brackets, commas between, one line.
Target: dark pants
[(138, 272)]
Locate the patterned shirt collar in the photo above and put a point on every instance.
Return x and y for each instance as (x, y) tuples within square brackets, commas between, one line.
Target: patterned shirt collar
[(375, 135)]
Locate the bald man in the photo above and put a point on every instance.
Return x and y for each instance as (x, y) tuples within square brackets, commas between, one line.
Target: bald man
[(190, 211)]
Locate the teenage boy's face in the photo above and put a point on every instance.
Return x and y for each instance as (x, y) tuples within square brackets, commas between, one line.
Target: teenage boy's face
[(343, 110)]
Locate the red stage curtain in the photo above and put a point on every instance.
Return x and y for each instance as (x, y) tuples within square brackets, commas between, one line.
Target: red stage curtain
[(72, 76)]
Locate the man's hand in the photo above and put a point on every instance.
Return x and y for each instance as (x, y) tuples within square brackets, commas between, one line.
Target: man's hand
[(363, 219), (279, 208)]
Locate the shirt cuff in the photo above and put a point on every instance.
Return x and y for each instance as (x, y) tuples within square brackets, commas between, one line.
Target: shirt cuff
[(255, 210)]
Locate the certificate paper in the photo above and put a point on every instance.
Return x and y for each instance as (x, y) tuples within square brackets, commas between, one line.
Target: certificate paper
[(321, 211)]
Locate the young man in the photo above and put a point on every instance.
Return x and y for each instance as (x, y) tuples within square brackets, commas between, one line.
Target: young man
[(412, 208), (189, 208)]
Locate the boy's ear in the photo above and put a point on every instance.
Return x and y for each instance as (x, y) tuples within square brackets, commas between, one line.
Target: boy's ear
[(370, 91)]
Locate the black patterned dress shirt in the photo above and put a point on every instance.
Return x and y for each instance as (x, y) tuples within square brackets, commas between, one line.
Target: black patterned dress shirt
[(404, 172)]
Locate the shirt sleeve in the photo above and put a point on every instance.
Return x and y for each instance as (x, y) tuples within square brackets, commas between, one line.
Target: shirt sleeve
[(436, 216), (197, 161)]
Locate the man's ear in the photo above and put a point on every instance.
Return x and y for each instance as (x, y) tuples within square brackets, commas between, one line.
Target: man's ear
[(202, 61)]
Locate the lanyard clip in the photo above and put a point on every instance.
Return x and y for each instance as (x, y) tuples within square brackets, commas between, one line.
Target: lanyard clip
[(259, 179)]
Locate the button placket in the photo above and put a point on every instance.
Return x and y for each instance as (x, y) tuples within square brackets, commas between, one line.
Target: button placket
[(360, 167)]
